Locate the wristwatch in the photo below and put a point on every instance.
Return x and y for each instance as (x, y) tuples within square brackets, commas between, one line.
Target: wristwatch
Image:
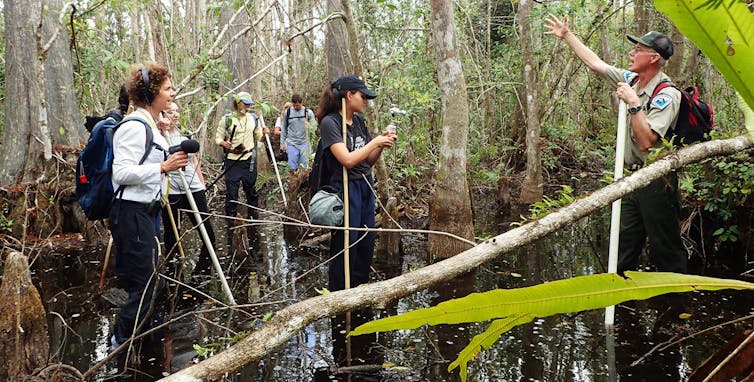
[(634, 109)]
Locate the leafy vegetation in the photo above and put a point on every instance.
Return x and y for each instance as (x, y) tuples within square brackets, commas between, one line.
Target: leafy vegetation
[(6, 224), (512, 307), (547, 205)]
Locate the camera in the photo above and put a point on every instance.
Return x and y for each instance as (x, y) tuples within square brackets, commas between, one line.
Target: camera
[(238, 149)]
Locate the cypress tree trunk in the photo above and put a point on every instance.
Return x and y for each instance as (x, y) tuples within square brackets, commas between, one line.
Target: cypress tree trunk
[(450, 208), (23, 324), (532, 187)]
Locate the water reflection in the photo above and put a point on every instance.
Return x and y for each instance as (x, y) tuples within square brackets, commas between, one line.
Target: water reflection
[(561, 348)]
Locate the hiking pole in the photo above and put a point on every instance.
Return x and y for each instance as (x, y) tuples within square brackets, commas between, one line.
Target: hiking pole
[(107, 260), (277, 173), (207, 242), (346, 233), (346, 217), (173, 225), (192, 148), (612, 262)]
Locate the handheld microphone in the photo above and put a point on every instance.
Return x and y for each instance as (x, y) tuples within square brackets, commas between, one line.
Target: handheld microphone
[(188, 146)]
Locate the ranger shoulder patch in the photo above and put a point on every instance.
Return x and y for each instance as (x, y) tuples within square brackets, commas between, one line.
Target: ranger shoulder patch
[(629, 77), (661, 101)]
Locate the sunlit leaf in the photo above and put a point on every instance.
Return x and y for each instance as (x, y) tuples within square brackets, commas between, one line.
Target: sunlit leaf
[(562, 296), (485, 340), (724, 31), (511, 307)]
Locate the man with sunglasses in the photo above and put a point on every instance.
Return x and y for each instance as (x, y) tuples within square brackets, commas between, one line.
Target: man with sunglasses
[(651, 212)]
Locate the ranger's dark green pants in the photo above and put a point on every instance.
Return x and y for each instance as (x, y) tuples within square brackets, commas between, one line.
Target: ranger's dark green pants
[(652, 212)]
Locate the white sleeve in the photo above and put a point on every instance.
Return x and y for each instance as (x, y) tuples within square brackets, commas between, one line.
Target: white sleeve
[(129, 143)]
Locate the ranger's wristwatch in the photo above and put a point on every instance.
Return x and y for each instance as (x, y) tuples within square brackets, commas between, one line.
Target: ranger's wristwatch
[(634, 109)]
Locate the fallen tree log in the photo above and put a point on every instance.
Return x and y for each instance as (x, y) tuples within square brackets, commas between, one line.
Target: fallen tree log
[(296, 317)]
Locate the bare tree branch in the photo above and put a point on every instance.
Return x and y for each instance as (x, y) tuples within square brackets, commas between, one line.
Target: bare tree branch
[(214, 53), (208, 112), (55, 34)]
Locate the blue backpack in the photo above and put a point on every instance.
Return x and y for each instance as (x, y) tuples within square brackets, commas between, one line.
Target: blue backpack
[(94, 168)]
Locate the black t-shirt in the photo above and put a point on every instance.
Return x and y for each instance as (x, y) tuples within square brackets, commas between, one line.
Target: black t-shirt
[(331, 132)]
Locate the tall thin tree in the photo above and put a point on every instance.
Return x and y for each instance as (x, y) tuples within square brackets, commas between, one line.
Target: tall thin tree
[(450, 208), (532, 187), (336, 38)]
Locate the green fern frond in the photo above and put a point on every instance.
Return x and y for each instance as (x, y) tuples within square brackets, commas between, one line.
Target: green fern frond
[(724, 32), (511, 307)]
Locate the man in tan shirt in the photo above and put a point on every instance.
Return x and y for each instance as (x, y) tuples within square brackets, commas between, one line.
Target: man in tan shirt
[(238, 133), (651, 212)]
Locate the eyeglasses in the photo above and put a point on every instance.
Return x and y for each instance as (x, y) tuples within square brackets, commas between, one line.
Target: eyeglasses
[(637, 50)]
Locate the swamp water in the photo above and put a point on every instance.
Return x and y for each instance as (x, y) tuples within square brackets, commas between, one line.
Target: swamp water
[(572, 347)]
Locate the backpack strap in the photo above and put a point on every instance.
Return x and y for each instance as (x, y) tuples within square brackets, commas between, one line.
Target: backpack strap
[(254, 136), (662, 85), (229, 123), (633, 80), (148, 145), (288, 114), (149, 142)]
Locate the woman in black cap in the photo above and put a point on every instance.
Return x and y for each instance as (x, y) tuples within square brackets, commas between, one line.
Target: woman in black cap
[(357, 155)]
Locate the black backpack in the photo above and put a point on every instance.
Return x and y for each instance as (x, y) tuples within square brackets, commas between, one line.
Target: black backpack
[(288, 114), (320, 174), (695, 117)]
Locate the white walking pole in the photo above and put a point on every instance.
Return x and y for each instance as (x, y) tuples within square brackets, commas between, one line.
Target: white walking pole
[(275, 164), (612, 260), (204, 235), (207, 242)]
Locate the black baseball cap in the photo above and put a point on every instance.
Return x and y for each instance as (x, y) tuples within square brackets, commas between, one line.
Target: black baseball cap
[(353, 83), (655, 40)]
